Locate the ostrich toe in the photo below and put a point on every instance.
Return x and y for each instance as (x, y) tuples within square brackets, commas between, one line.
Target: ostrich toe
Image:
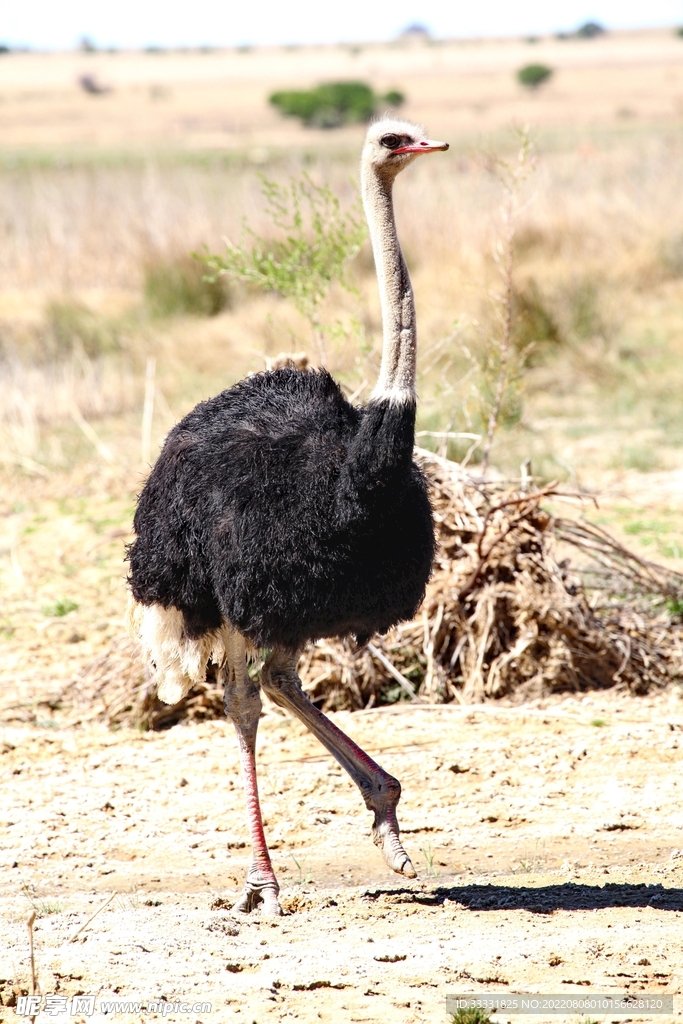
[(259, 889), (386, 836)]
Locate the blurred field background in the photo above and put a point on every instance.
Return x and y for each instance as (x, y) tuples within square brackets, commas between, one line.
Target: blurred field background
[(104, 195)]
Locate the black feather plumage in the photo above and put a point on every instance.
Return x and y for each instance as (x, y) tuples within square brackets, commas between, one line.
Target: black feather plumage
[(288, 512)]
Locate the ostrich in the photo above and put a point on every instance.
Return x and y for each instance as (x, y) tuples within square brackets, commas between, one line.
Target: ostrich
[(278, 513)]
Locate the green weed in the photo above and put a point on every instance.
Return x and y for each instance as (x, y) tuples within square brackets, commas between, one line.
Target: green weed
[(305, 877), (428, 854), (471, 1015), (317, 240), (61, 607)]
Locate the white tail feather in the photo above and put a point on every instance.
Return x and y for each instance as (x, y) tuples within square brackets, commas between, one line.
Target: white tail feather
[(179, 661)]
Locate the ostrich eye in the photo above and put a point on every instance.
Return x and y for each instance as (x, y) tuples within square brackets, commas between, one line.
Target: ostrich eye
[(391, 141)]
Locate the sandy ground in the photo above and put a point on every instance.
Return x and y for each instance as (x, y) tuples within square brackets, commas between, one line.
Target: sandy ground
[(548, 841)]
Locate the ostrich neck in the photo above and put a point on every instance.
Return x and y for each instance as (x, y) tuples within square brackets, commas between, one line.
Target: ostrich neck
[(397, 371)]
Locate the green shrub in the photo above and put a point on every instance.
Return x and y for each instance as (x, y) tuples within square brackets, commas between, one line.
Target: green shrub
[(179, 286), (317, 240), (72, 325), (679, 31), (583, 306), (533, 75), (333, 104), (533, 323), (590, 29), (61, 607)]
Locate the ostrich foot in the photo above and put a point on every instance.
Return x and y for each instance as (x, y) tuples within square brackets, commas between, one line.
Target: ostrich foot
[(259, 888), (385, 834)]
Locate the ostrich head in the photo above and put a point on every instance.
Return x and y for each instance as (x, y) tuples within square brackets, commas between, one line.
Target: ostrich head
[(391, 145)]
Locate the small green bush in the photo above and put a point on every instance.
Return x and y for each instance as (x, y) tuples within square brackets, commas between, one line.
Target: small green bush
[(61, 607), (533, 75), (394, 98), (590, 29), (317, 241), (583, 306), (179, 286), (70, 325), (679, 31), (533, 323), (333, 104)]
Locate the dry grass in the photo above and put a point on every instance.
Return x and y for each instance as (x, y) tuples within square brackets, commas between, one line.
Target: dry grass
[(598, 274)]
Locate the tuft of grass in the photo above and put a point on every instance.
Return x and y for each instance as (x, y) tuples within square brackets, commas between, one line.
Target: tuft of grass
[(530, 864), (599, 722), (471, 1015), (585, 316), (61, 607), (179, 285), (71, 325), (43, 908), (305, 876), (643, 458), (428, 854)]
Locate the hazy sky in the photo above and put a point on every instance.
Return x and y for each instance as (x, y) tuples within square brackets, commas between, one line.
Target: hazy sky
[(59, 24)]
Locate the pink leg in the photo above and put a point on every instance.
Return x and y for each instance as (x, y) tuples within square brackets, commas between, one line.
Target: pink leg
[(380, 791), (242, 704)]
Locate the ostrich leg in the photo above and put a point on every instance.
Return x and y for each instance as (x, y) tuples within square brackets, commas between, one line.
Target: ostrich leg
[(242, 703), (380, 791)]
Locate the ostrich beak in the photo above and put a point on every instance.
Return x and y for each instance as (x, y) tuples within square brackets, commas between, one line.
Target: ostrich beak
[(423, 146)]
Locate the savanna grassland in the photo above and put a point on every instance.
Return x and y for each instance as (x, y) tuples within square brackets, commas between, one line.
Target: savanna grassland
[(108, 334)]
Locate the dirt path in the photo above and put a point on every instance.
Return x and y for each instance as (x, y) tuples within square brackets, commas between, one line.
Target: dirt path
[(546, 844)]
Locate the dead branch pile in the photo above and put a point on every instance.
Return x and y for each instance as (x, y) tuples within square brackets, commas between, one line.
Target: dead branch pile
[(521, 603)]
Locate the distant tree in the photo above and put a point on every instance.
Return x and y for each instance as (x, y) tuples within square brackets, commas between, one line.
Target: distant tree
[(415, 30), (87, 45), (333, 104), (590, 29), (90, 84), (4, 48), (679, 31), (533, 75)]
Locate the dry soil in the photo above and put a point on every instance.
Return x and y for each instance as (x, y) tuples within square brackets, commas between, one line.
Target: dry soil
[(547, 840)]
